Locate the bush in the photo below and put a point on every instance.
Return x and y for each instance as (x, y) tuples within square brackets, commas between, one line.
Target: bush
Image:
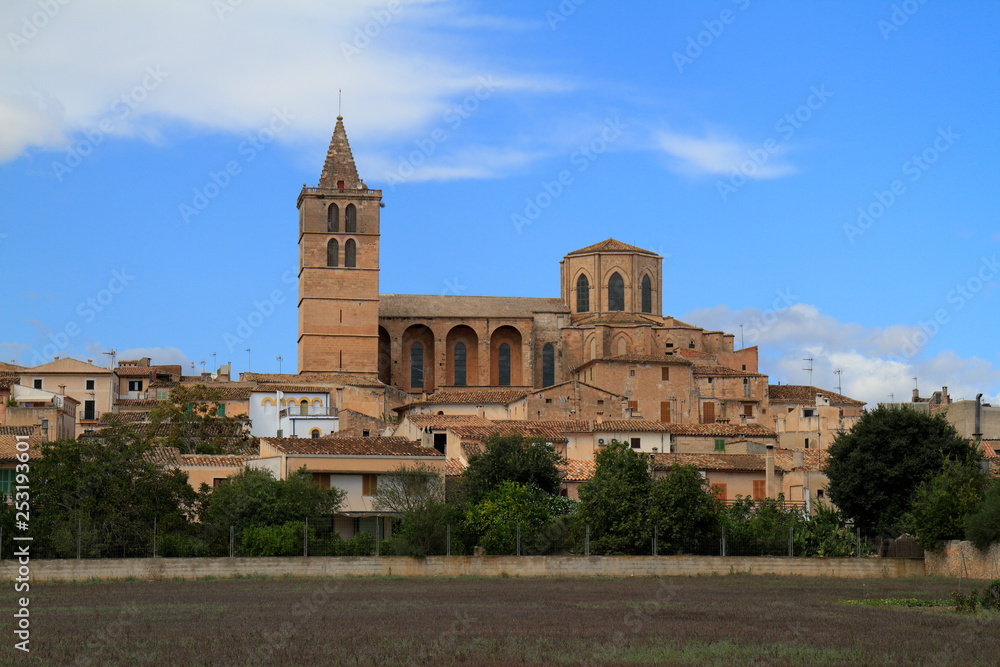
[(283, 540), (941, 504), (982, 528), (179, 545)]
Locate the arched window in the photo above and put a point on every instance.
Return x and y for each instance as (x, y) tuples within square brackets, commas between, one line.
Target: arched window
[(350, 253), (333, 219), (332, 252), (351, 219), (460, 364), (616, 292), (548, 365), (582, 294), (503, 357), (314, 433), (304, 407), (647, 295), (417, 366)]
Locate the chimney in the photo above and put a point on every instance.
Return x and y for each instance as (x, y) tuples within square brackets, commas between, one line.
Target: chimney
[(978, 435), (916, 395), (769, 472)]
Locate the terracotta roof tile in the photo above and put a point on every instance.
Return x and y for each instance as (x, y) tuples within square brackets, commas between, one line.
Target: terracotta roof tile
[(215, 460), (8, 446), (722, 430), (735, 462), (813, 459), (138, 402), (440, 422), (644, 425), (378, 446), (806, 394), (17, 430), (313, 379), (611, 245), (430, 305), (475, 396), (715, 371), (454, 467), (550, 430), (578, 470), (582, 384)]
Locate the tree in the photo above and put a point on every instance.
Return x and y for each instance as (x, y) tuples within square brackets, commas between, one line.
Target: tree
[(192, 420), (876, 467), (507, 511), (416, 496), (615, 501), (512, 458), (105, 488), (942, 503), (982, 527), (683, 510)]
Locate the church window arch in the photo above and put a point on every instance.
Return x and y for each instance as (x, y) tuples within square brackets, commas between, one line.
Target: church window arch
[(622, 346), (647, 295), (616, 292), (332, 253), (267, 400), (460, 364), (315, 433), (351, 219), (593, 348), (582, 294), (333, 219), (417, 366), (503, 356), (350, 253), (548, 365)]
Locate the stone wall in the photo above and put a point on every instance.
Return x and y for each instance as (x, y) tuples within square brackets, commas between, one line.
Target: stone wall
[(963, 559), (456, 566)]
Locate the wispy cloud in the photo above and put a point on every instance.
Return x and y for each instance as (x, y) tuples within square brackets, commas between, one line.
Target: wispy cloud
[(715, 155)]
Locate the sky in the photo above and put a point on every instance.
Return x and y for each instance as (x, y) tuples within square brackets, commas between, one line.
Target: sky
[(819, 177)]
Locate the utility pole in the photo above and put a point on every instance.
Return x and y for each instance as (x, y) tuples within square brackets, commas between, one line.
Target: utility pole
[(839, 373), (810, 369)]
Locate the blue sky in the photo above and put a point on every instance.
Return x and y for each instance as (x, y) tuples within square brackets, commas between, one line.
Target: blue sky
[(821, 173)]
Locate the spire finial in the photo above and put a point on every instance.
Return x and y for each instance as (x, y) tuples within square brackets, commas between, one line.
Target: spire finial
[(340, 104)]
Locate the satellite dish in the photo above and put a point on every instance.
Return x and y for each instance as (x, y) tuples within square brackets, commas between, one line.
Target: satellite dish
[(215, 376)]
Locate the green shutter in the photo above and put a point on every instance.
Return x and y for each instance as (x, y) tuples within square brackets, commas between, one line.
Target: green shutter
[(720, 445), (221, 410)]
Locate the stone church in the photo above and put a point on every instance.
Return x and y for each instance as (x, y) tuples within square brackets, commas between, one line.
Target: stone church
[(606, 328)]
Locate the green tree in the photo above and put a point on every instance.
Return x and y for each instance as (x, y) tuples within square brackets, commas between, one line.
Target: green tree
[(192, 420), (876, 467), (615, 501), (511, 458), (107, 486), (507, 510), (415, 495), (941, 503), (683, 510), (253, 497), (982, 527)]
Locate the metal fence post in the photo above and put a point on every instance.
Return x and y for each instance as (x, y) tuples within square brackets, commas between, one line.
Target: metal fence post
[(447, 540), (586, 542)]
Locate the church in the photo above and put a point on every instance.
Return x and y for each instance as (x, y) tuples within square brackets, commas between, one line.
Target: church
[(606, 328)]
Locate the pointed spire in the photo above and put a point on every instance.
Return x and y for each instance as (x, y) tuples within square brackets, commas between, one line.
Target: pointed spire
[(339, 165)]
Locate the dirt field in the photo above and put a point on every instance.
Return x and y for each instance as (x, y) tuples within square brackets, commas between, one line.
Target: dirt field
[(722, 620)]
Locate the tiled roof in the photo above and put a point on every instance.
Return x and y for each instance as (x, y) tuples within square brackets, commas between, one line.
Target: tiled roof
[(8, 446), (477, 396), (311, 378), (550, 430), (138, 402), (714, 370), (215, 460), (734, 462), (454, 467), (618, 318), (70, 365), (124, 417), (163, 456), (582, 384), (813, 459), (8, 381), (439, 422), (378, 446), (12, 368), (578, 470), (687, 352), (135, 371), (291, 389), (17, 430), (722, 430), (611, 245), (450, 305), (806, 394), (635, 425)]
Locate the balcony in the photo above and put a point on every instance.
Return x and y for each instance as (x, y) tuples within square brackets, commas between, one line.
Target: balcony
[(307, 411)]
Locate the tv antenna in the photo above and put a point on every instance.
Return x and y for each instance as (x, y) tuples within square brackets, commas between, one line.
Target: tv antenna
[(839, 373), (810, 369)]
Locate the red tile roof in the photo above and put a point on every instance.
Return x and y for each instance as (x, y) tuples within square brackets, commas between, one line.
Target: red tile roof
[(734, 462), (441, 422), (311, 378), (722, 430), (715, 370), (377, 446), (578, 470), (611, 245), (550, 430), (644, 425), (475, 396), (138, 402), (453, 467), (806, 394), (17, 430), (8, 446), (215, 460)]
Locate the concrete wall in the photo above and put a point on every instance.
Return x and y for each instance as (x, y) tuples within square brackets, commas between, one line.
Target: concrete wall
[(963, 559), (454, 566)]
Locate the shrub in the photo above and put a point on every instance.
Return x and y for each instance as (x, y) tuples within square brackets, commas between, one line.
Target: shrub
[(982, 527), (283, 540)]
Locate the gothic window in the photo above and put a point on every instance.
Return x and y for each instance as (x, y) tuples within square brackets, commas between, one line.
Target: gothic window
[(582, 294), (504, 365), (333, 219), (350, 253), (616, 292), (417, 366), (351, 219), (460, 364), (332, 252), (647, 295), (548, 365)]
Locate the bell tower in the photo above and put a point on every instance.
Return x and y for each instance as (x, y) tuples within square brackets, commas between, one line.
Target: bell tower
[(338, 267)]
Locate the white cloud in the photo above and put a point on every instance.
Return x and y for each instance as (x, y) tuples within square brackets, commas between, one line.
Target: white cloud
[(91, 63), (721, 156), (875, 361)]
